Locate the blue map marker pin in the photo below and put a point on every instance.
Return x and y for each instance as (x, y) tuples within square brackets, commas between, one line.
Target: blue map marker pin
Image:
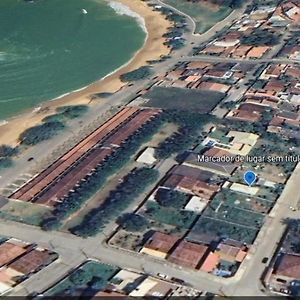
[(249, 177)]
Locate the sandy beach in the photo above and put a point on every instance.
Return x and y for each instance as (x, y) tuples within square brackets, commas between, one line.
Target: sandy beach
[(156, 26)]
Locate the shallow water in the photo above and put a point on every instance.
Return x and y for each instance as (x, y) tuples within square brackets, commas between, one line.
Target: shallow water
[(49, 48)]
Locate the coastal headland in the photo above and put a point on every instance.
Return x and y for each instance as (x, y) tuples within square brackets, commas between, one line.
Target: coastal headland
[(156, 25)]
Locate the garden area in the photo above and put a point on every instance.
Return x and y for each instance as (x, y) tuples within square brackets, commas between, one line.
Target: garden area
[(90, 278), (241, 201), (234, 215), (170, 215), (216, 229)]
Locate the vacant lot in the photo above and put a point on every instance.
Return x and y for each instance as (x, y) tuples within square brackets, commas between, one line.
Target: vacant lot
[(204, 16), (183, 99), (235, 215), (238, 200), (23, 212), (214, 230)]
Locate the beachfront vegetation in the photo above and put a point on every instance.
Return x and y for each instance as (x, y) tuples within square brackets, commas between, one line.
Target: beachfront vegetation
[(7, 151), (138, 74), (203, 15), (6, 154), (5, 162), (74, 200), (52, 125), (118, 200), (39, 133), (65, 113)]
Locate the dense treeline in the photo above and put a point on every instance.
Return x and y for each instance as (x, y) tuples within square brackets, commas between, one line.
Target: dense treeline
[(93, 183), (39, 133), (65, 113), (189, 125), (131, 187), (138, 74), (6, 154), (261, 38), (51, 125), (229, 3)]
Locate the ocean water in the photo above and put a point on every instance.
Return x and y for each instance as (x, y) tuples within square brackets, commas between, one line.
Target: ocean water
[(49, 48)]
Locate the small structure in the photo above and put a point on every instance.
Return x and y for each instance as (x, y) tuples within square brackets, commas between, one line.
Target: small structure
[(147, 156), (196, 204)]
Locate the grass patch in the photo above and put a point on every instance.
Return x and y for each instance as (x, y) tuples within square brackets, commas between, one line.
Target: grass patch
[(242, 201), (235, 215), (204, 16), (216, 229), (39, 133), (170, 215), (23, 212), (183, 99), (65, 113), (92, 276)]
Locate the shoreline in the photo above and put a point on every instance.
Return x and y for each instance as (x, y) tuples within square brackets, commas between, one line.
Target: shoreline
[(155, 24)]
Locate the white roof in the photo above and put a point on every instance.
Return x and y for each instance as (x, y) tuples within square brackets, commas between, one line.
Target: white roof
[(196, 204), (147, 157), (4, 288), (242, 188), (144, 288)]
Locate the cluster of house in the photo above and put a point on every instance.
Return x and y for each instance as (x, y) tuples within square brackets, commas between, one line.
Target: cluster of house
[(19, 260), (202, 180), (196, 256), (265, 19), (200, 75), (136, 284), (276, 92)]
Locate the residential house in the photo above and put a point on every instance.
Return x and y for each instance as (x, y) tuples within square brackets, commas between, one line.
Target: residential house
[(159, 244)]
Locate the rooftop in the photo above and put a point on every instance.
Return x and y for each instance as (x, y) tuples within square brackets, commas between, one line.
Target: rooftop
[(188, 254), (288, 265), (161, 242)]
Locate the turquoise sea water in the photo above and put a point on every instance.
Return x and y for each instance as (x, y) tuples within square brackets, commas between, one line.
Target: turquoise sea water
[(49, 47)]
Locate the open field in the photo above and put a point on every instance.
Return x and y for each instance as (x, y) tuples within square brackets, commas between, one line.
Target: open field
[(204, 16), (183, 99), (23, 212), (238, 200), (234, 215)]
